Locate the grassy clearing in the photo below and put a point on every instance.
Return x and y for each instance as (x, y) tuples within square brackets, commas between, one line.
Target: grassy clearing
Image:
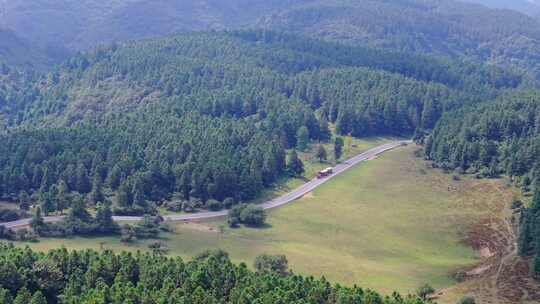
[(388, 224), (353, 146)]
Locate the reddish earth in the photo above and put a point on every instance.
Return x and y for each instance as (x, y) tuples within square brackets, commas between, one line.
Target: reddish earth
[(501, 276)]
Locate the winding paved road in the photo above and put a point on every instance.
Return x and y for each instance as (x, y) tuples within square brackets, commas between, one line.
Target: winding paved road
[(277, 202)]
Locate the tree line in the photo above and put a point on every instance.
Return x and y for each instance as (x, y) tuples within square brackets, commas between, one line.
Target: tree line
[(207, 120), (494, 139), (62, 276)]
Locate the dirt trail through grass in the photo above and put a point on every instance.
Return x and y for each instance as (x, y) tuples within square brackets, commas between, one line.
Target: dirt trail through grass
[(502, 277)]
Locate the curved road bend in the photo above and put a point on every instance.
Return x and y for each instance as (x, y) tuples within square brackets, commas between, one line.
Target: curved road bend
[(277, 202)]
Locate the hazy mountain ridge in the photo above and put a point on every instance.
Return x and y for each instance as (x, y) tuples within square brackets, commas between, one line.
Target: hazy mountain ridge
[(529, 7), (442, 28), (86, 23), (19, 52)]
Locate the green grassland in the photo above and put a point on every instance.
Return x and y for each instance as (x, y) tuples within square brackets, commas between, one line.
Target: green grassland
[(388, 224)]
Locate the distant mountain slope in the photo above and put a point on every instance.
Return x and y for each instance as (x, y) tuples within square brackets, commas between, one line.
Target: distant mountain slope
[(529, 7), (447, 28), (210, 115), (78, 24), (19, 52)]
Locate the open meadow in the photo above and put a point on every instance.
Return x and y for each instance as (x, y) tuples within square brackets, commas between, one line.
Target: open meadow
[(390, 223)]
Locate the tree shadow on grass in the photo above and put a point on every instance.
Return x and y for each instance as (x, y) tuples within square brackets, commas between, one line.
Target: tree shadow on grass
[(257, 227)]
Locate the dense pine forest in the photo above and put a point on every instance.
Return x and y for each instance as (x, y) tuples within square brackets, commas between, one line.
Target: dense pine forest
[(209, 117), (444, 28), (492, 140), (86, 277), (209, 120)]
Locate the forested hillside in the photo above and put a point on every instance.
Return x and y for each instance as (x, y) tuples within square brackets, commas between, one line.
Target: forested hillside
[(16, 51), (70, 24), (500, 138), (443, 28), (210, 116), (496, 138), (529, 7), (89, 277)]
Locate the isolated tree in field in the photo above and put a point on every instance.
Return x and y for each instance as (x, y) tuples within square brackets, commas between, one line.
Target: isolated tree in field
[(247, 214), (253, 216), (424, 291), (272, 263), (302, 138), (338, 148), (295, 166), (234, 215), (321, 154)]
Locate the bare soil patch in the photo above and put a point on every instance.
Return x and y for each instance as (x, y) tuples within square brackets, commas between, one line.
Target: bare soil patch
[(501, 276)]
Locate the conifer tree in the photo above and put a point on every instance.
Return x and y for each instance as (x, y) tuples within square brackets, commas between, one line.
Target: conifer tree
[(321, 153), (302, 138), (295, 167)]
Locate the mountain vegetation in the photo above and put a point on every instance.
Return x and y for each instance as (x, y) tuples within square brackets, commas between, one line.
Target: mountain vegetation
[(61, 25), (18, 52), (529, 7), (499, 138), (145, 121), (442, 28), (130, 122), (91, 277)]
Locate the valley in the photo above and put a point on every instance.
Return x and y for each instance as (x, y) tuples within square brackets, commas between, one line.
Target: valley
[(392, 219), (269, 152)]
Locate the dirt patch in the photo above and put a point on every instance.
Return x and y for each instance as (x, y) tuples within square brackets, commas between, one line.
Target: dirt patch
[(486, 253), (501, 276), (373, 158), (309, 195)]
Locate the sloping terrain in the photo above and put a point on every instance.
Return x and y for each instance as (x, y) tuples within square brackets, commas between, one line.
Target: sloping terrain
[(392, 223), (443, 28), (17, 51), (81, 24), (174, 115), (529, 7), (447, 28)]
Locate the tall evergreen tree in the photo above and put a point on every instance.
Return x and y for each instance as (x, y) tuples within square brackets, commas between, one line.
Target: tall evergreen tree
[(302, 138), (321, 154), (295, 166), (338, 148)]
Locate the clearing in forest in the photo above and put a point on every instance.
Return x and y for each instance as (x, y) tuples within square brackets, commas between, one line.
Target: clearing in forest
[(388, 223)]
